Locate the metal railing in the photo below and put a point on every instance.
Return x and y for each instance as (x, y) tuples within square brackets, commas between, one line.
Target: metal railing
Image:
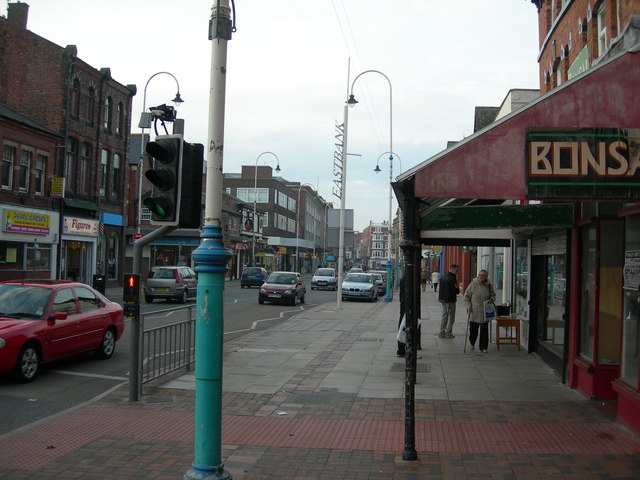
[(167, 348)]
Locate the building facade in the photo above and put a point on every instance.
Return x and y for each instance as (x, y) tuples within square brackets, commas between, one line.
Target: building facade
[(92, 114)]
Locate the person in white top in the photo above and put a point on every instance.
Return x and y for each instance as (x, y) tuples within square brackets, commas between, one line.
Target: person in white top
[(435, 280)]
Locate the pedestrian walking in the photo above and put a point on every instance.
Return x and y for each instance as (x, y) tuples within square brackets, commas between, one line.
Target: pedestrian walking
[(478, 292), (423, 279), (448, 297), (435, 280)]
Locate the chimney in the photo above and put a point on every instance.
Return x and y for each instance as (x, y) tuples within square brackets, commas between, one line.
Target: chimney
[(17, 14)]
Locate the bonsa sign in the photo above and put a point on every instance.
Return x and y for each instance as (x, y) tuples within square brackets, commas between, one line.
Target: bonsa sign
[(589, 164)]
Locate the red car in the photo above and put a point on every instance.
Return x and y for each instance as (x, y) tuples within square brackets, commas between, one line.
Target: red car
[(45, 320), (282, 287)]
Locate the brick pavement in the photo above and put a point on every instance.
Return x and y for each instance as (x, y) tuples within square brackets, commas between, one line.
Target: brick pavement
[(303, 431)]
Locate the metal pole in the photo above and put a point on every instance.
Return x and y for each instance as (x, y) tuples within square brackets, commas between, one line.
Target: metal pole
[(343, 195), (211, 259), (255, 199)]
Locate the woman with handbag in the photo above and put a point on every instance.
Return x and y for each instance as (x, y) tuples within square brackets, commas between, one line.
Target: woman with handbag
[(478, 292)]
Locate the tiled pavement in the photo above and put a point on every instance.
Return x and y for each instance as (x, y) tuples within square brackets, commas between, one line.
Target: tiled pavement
[(320, 396)]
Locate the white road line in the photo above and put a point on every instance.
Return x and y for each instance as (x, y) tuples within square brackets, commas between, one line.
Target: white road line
[(91, 375)]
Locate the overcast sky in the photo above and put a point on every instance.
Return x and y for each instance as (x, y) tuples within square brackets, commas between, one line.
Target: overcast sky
[(288, 75)]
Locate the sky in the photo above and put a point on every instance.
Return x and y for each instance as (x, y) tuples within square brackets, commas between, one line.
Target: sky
[(291, 65)]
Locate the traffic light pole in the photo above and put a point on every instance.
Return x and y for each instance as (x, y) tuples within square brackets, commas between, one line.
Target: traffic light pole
[(211, 264)]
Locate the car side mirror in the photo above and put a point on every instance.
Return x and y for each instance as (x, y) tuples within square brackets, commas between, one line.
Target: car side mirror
[(57, 316)]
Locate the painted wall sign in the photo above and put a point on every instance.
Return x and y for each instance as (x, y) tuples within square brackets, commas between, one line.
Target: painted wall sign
[(593, 163), (26, 222)]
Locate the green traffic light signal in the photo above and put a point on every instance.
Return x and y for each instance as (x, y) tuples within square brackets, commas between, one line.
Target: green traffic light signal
[(165, 176)]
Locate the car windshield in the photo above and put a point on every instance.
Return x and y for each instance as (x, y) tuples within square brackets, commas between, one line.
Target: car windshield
[(358, 278), (253, 270), (24, 301), (325, 272), (377, 276), (282, 278)]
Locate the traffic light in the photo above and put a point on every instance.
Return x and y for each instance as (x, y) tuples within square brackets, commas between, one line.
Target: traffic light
[(131, 290), (165, 174), (191, 186)]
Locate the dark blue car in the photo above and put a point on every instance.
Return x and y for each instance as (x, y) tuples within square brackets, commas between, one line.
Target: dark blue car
[(253, 277)]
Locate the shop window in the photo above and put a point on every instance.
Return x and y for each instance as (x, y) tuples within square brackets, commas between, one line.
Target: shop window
[(38, 258), (112, 256), (11, 255), (8, 157), (75, 99), (602, 31), (610, 292), (630, 340), (588, 291), (522, 279)]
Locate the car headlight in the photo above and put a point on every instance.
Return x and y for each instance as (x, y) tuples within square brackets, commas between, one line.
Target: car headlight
[(288, 292), (2, 342), (262, 290)]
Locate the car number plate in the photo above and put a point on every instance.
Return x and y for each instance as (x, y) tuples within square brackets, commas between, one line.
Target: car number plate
[(162, 290), (274, 295)]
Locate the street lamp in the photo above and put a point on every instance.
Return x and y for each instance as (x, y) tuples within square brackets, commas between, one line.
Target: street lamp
[(352, 102), (255, 198), (377, 170), (145, 122), (298, 223)]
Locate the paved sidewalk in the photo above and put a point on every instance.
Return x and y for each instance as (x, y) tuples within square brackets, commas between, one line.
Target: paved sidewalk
[(320, 396)]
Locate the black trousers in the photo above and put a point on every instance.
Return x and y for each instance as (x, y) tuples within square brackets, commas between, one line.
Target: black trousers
[(484, 334)]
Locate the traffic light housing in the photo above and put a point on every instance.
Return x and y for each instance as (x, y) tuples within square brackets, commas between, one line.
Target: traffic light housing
[(165, 175), (191, 185), (131, 289)]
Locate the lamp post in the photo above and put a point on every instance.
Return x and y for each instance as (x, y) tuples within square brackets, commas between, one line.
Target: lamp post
[(298, 224), (211, 263), (377, 170), (145, 122), (352, 102), (255, 199)]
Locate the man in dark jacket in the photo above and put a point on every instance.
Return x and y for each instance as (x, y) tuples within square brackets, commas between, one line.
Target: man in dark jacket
[(448, 297)]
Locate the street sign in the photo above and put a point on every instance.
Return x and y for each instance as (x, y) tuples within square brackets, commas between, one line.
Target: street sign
[(138, 236)]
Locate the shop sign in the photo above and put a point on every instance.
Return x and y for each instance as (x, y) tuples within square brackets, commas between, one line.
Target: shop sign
[(57, 187), (593, 164), (580, 64), (26, 222), (80, 226)]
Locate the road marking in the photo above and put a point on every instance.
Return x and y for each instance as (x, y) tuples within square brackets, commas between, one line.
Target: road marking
[(91, 375), (279, 317)]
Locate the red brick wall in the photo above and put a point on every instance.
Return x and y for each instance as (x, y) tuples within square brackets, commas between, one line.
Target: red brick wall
[(556, 26)]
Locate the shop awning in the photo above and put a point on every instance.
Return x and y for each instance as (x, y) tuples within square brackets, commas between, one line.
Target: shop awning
[(491, 163)]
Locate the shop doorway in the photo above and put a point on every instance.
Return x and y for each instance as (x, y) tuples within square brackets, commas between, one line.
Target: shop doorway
[(76, 261)]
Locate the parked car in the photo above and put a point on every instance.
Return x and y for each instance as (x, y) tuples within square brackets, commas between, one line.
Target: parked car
[(360, 285), (282, 287), (382, 287), (170, 283), (45, 320), (383, 274), (356, 270), (324, 278), (253, 277)]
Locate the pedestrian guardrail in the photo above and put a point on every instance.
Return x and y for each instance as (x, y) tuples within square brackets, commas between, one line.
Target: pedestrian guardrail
[(167, 348)]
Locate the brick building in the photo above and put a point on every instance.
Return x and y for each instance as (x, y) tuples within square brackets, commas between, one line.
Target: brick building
[(90, 113)]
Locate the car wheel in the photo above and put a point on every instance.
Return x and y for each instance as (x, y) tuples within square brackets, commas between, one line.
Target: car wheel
[(27, 364), (293, 301), (241, 286), (302, 298), (107, 346), (183, 296), (148, 299)]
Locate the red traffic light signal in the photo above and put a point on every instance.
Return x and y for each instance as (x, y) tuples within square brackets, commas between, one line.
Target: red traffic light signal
[(131, 291)]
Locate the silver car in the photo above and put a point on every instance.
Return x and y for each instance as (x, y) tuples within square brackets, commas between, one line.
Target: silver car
[(324, 278), (170, 283), (360, 285)]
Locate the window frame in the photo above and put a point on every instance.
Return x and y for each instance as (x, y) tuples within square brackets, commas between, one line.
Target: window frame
[(8, 165), (24, 170)]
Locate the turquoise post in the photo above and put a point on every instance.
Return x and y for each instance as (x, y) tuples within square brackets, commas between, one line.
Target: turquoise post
[(389, 296), (211, 264)]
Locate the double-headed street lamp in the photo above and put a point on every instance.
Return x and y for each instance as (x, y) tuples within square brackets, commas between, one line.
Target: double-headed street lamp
[(298, 224), (145, 122), (377, 170), (352, 102), (255, 199)]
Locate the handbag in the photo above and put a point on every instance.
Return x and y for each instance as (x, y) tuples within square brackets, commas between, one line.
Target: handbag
[(489, 310), (402, 331)]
